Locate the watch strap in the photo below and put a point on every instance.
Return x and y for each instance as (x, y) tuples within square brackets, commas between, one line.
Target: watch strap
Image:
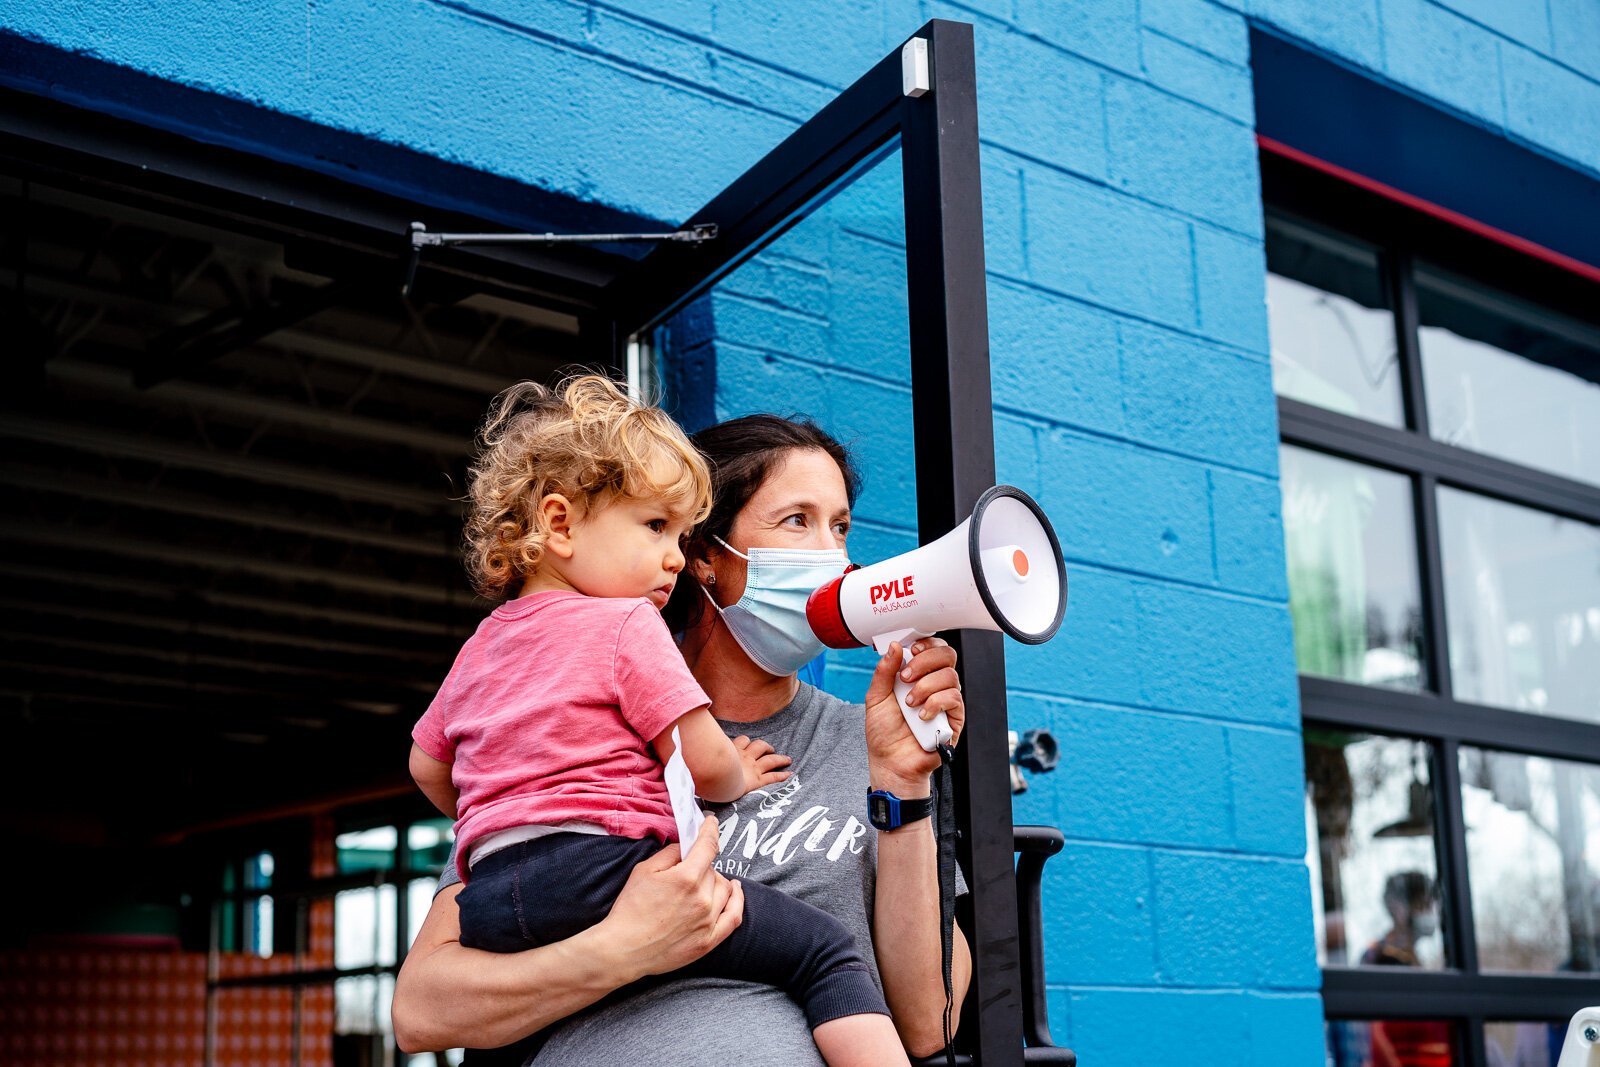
[(888, 812)]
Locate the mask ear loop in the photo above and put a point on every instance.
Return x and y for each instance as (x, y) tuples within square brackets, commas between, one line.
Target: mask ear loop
[(730, 548)]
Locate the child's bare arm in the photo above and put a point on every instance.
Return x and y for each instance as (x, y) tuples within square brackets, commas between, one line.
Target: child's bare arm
[(723, 770), (433, 778)]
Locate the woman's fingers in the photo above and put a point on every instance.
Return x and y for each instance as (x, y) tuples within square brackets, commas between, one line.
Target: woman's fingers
[(881, 687), (670, 856), (928, 654), (698, 862), (939, 682), (730, 915)]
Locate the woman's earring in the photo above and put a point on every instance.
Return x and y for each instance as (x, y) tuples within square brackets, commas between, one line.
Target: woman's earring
[(711, 579)]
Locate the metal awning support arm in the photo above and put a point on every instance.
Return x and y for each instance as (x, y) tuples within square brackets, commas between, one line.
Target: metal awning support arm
[(421, 238)]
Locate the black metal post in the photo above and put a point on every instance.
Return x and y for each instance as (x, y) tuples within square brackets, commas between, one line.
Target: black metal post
[(955, 464)]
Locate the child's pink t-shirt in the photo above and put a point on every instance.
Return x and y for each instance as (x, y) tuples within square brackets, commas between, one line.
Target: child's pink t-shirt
[(548, 714)]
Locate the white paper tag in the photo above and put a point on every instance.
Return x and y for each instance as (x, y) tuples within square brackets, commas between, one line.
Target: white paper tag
[(680, 788)]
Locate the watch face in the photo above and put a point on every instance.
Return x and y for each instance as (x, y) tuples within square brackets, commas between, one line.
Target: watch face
[(878, 810)]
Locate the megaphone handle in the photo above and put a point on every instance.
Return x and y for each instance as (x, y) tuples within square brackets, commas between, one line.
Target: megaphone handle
[(934, 732)]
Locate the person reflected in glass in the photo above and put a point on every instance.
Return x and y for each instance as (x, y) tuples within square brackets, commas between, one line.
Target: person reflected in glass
[(1413, 909), (1413, 913)]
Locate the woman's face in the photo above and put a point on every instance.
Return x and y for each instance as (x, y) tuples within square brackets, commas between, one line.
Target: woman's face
[(802, 504)]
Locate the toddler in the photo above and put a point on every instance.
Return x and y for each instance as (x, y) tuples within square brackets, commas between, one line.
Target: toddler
[(547, 740)]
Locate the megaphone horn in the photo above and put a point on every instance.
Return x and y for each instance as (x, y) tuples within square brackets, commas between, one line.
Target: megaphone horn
[(1000, 570)]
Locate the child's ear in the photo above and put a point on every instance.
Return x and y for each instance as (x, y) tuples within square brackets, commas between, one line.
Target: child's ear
[(555, 514)]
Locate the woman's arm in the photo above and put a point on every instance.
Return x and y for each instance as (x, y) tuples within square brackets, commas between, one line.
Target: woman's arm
[(905, 927), (669, 914)]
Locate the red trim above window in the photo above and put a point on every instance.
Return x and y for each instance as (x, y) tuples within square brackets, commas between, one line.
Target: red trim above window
[(1389, 192)]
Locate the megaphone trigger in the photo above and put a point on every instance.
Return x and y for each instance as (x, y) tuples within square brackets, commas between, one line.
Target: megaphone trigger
[(930, 733)]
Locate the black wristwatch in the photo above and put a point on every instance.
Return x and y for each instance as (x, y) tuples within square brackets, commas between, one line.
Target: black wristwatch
[(888, 812)]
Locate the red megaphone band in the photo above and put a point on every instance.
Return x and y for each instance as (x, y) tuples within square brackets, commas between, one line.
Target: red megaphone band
[(826, 617)]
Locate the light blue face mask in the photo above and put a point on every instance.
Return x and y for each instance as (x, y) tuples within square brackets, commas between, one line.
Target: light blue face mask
[(769, 621)]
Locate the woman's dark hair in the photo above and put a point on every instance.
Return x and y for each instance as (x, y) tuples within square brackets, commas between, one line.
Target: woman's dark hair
[(742, 453)]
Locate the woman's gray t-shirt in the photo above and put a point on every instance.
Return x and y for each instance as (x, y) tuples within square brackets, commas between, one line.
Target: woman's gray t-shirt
[(807, 836)]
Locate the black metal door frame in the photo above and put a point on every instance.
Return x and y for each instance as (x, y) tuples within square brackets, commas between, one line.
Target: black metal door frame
[(949, 331)]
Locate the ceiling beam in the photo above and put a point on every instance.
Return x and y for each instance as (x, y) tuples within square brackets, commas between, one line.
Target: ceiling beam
[(82, 612), (300, 339), (87, 438), (105, 651), (161, 498), (185, 347), (292, 608), (99, 543), (334, 421), (19, 673), (56, 700)]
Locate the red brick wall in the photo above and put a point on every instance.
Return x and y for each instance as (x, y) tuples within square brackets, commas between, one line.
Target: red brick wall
[(144, 1005)]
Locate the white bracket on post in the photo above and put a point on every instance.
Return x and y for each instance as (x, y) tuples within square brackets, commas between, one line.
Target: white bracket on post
[(914, 77)]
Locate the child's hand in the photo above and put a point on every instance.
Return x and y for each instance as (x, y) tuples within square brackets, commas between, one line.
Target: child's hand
[(762, 766)]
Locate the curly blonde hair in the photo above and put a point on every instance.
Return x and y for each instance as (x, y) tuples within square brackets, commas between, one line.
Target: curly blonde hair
[(585, 439)]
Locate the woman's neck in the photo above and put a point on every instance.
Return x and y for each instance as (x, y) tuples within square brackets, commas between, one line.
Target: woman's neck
[(739, 690)]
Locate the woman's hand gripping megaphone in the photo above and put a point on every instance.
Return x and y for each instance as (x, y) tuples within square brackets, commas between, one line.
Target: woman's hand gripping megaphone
[(910, 682)]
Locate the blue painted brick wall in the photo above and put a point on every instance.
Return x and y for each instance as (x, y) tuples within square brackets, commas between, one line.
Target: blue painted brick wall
[(1132, 391)]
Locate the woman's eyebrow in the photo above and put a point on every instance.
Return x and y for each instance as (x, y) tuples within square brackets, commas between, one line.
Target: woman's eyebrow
[(808, 506), (792, 506)]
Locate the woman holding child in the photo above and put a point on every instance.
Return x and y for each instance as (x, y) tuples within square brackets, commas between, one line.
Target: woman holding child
[(781, 497)]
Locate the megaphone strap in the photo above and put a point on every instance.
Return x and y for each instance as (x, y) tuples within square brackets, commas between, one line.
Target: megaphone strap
[(944, 831)]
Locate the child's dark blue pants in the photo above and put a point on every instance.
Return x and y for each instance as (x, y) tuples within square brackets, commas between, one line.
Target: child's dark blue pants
[(553, 887)]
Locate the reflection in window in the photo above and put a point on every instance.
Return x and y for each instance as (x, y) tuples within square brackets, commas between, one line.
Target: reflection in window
[(1523, 1044), (1522, 603), (1391, 1043), (1333, 337), (1369, 815), (1533, 855), (1507, 381), (1353, 587)]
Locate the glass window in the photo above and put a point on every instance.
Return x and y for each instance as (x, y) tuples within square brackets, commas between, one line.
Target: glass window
[(1522, 606), (1523, 1044), (1369, 815), (429, 842), (367, 850), (1509, 381), (245, 918), (364, 927), (1353, 587), (1332, 333), (1533, 855), (1391, 1043)]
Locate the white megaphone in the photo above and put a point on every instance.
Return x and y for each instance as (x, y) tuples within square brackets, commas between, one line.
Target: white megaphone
[(999, 570)]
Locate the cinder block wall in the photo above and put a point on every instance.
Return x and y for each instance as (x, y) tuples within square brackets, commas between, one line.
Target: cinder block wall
[(1132, 389)]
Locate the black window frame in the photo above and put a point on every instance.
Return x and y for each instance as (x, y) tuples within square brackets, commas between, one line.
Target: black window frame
[(1402, 234)]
